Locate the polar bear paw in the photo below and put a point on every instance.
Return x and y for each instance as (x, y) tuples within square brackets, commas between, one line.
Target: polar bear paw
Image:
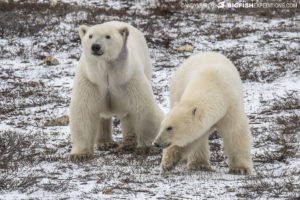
[(147, 151), (171, 157), (124, 148), (166, 167), (195, 166), (79, 157), (239, 171), (168, 164), (106, 146)]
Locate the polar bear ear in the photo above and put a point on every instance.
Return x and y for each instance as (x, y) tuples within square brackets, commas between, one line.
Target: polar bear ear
[(194, 111), (124, 32), (82, 30)]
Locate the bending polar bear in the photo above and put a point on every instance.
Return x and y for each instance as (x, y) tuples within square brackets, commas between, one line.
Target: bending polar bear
[(206, 93), (112, 78)]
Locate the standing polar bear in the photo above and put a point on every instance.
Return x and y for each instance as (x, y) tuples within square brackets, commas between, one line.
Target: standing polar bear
[(112, 78), (206, 93)]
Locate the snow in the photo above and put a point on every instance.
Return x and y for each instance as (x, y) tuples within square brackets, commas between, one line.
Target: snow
[(266, 52)]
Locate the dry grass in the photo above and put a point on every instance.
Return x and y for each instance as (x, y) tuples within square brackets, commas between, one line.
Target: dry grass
[(18, 95), (276, 124)]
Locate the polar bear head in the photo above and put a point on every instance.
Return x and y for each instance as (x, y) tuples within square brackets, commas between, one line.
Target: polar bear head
[(103, 42), (179, 126)]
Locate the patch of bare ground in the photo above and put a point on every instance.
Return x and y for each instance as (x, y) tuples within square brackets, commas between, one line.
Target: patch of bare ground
[(17, 95), (19, 150), (167, 25)]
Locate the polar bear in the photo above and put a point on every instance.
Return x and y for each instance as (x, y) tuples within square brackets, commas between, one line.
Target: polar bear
[(112, 79), (205, 94)]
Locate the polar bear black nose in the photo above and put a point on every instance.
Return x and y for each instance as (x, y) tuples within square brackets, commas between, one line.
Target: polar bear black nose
[(96, 47)]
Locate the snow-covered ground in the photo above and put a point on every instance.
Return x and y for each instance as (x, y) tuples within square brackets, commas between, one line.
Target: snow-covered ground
[(264, 44)]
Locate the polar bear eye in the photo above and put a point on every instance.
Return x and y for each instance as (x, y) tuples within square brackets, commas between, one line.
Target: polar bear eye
[(169, 128), (90, 36), (107, 36)]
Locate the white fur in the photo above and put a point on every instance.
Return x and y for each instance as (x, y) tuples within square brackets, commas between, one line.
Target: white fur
[(206, 93), (115, 83)]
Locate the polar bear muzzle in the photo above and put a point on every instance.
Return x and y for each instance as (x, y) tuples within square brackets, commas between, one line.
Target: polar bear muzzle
[(96, 50), (162, 146), (162, 140)]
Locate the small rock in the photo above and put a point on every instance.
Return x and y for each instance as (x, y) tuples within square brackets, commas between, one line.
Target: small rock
[(50, 61), (53, 4), (231, 190), (186, 48), (60, 121), (107, 192)]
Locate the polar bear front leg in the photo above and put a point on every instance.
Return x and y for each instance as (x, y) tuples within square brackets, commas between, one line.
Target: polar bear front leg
[(104, 138), (84, 119), (237, 143), (146, 115), (129, 137), (198, 157), (146, 129), (128, 130), (171, 156), (83, 128), (147, 126)]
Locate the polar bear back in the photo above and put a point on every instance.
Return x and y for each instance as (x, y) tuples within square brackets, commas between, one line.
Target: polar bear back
[(138, 47), (203, 69)]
